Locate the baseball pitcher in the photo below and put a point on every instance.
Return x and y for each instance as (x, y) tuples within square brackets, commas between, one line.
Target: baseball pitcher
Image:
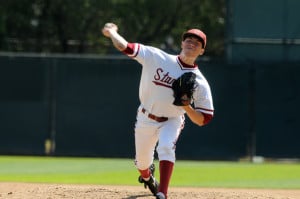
[(171, 87)]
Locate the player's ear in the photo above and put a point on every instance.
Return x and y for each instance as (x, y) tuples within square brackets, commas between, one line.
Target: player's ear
[(202, 51)]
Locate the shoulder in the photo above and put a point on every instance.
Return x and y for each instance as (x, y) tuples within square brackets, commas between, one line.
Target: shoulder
[(201, 81), (150, 49), (155, 50), (137, 49), (154, 53), (199, 74)]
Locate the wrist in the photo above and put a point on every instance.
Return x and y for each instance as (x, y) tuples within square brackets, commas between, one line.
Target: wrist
[(187, 108)]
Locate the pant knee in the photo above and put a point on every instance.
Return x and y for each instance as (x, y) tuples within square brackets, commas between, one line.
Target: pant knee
[(143, 163), (166, 151)]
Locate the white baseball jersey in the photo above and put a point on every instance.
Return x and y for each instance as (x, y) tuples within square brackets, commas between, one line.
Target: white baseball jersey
[(159, 71)]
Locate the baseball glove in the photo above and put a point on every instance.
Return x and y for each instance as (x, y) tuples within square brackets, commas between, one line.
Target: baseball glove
[(183, 89)]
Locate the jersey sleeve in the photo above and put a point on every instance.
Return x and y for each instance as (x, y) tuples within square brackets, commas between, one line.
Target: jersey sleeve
[(203, 101), (136, 51), (141, 53), (132, 50)]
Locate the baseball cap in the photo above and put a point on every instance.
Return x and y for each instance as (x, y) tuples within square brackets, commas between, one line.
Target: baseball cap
[(197, 33)]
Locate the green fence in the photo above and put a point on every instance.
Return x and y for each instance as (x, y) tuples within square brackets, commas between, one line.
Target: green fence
[(87, 107), (263, 31)]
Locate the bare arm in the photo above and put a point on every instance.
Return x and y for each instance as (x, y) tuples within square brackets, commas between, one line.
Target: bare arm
[(110, 30), (196, 117)]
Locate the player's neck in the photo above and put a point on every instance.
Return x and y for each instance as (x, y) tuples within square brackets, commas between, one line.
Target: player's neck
[(187, 60)]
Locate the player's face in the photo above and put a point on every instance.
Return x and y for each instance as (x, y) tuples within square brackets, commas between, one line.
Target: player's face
[(192, 46)]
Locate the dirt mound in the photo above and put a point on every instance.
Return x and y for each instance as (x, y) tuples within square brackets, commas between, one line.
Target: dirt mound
[(63, 191)]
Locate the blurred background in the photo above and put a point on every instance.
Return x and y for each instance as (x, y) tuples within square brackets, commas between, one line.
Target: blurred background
[(65, 91)]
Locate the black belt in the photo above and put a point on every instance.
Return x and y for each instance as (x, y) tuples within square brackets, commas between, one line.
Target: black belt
[(154, 117)]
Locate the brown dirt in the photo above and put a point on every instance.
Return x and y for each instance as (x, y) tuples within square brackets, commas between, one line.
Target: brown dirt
[(63, 191)]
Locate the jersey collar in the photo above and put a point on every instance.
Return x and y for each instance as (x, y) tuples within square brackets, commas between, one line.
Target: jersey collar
[(184, 65)]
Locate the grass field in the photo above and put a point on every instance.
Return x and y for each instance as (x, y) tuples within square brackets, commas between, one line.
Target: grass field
[(123, 172)]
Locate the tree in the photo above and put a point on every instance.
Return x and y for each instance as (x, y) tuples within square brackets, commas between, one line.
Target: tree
[(73, 26)]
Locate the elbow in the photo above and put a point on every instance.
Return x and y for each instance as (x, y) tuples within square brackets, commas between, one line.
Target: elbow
[(200, 118), (200, 124), (206, 119), (121, 47)]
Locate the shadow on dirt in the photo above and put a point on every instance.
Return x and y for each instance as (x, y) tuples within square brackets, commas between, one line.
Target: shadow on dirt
[(137, 196)]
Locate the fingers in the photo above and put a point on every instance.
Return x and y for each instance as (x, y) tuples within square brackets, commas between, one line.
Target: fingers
[(110, 25), (108, 28), (185, 100), (184, 97)]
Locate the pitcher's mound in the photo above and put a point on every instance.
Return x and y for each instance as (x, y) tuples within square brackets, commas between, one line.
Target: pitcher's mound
[(63, 191)]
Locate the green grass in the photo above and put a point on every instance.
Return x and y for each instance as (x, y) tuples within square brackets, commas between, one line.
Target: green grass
[(123, 172), (234, 174)]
